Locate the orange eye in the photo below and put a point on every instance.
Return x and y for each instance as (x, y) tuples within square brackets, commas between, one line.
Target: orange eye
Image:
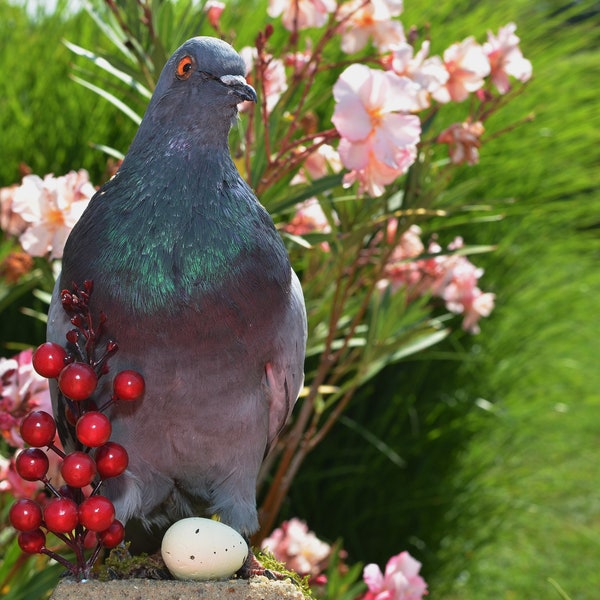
[(184, 68)]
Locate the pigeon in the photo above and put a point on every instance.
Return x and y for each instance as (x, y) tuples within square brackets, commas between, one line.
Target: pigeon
[(198, 292)]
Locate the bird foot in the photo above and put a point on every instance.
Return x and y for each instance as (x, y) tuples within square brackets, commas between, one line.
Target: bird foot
[(252, 567)]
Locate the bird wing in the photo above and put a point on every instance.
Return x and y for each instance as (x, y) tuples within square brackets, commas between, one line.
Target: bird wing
[(284, 374)]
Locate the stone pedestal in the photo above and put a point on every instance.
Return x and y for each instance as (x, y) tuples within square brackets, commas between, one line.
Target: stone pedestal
[(258, 588)]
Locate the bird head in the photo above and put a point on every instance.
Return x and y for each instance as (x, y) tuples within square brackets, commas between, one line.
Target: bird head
[(200, 86)]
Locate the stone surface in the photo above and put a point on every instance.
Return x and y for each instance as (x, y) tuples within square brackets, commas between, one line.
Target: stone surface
[(258, 588)]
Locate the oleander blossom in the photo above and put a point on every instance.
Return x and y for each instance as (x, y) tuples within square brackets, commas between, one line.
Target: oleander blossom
[(10, 222), (50, 207), (301, 14), (428, 72), (449, 276), (12, 483), (401, 580), (401, 270), (464, 141), (506, 58), (21, 391), (378, 140), (319, 162), (214, 9), (308, 218), (274, 77), (456, 283), (373, 20), (298, 548), (467, 65)]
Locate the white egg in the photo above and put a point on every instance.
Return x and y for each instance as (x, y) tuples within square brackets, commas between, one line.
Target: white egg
[(199, 549)]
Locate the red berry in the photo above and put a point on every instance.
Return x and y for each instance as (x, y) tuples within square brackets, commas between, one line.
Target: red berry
[(96, 513), (128, 385), (60, 515), (78, 469), (32, 542), (66, 491), (49, 359), (72, 336), (93, 429), (90, 540), (112, 536), (77, 381), (111, 460), (32, 464), (25, 515), (38, 429)]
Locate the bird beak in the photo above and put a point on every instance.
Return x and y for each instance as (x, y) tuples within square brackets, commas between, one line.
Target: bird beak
[(240, 87)]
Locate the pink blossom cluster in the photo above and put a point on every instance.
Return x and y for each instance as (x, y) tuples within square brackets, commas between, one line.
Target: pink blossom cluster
[(449, 276), (298, 548), (372, 115), (374, 108), (401, 580), (378, 135), (42, 212), (21, 391)]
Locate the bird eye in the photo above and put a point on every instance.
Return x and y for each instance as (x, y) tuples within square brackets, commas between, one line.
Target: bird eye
[(184, 68)]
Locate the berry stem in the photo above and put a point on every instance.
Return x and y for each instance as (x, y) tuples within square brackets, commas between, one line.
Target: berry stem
[(94, 555), (51, 488), (58, 558), (104, 406), (56, 449)]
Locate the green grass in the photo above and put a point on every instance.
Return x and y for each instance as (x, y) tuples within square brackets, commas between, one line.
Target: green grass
[(497, 502), (530, 474), (47, 120)]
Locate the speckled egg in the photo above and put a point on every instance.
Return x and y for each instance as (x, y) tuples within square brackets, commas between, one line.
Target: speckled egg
[(199, 549)]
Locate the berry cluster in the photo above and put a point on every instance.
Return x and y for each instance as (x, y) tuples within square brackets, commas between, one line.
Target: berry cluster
[(76, 513)]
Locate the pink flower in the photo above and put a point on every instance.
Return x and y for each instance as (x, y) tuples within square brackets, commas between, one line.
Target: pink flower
[(467, 64), (464, 140), (506, 58), (214, 9), (297, 547), (400, 270), (428, 72), (51, 207), (377, 144), (320, 162), (12, 483), (21, 390), (299, 62), (373, 20), (479, 305), (451, 277), (458, 288), (309, 218), (401, 580), (274, 78), (10, 222), (301, 14)]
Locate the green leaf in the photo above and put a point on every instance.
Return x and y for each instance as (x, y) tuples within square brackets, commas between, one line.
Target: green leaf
[(303, 192), (111, 98), (105, 65), (113, 34), (11, 293)]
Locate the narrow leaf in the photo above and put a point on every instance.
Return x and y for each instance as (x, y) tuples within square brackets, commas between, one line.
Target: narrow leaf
[(111, 98)]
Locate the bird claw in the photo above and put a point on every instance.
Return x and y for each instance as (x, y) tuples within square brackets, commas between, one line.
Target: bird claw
[(252, 567)]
